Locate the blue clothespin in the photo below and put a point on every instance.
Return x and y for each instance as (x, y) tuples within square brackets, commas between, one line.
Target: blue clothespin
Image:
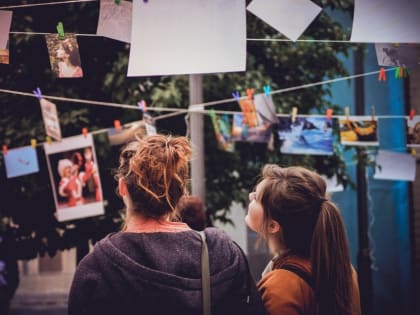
[(236, 95), (37, 93), (267, 90)]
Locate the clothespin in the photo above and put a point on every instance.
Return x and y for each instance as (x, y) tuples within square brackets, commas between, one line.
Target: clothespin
[(117, 2), (372, 112), (117, 124), (412, 113), (84, 131), (48, 139), (142, 105), (250, 93), (396, 44), (294, 113), (347, 112), (38, 93), (382, 75), (4, 148), (398, 73), (60, 30), (329, 114), (267, 90), (33, 143), (236, 95), (413, 152)]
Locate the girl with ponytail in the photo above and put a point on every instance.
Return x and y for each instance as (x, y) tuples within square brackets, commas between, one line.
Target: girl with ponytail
[(311, 271)]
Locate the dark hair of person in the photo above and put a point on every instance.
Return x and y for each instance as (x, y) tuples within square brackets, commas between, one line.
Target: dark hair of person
[(191, 211), (155, 170), (313, 229), (72, 50)]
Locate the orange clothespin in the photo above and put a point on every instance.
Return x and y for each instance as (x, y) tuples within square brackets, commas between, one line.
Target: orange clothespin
[(347, 113), (402, 72), (4, 148), (250, 93), (413, 152), (382, 75), (412, 113), (117, 124), (48, 139), (329, 114), (372, 113), (294, 113), (84, 132), (33, 143)]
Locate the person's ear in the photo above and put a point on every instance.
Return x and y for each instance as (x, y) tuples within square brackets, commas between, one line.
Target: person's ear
[(273, 227), (122, 188)]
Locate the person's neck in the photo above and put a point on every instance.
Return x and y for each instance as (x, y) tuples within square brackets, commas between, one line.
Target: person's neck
[(139, 223)]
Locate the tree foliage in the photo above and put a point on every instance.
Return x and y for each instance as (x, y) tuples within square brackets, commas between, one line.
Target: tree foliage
[(28, 202)]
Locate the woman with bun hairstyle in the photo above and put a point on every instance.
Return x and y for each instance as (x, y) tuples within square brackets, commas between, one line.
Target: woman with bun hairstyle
[(310, 273), (153, 266)]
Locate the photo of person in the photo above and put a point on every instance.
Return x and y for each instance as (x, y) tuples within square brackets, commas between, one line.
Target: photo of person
[(359, 131), (64, 56), (398, 55), (307, 135), (413, 132), (74, 177)]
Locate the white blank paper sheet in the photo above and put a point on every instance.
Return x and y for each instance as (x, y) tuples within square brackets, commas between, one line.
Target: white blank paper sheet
[(395, 166), (289, 17), (187, 36), (386, 21)]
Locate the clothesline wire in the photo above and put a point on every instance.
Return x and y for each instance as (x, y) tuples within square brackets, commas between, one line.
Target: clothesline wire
[(192, 107), (44, 4)]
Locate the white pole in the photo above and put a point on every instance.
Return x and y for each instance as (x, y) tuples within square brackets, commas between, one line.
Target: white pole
[(198, 187)]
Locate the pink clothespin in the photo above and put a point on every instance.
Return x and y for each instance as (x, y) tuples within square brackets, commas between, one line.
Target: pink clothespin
[(84, 132), (412, 113), (117, 124)]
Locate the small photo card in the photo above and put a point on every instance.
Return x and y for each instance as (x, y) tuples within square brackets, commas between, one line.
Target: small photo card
[(115, 20), (398, 55), (307, 135), (222, 131), (395, 166), (64, 56), (50, 118), (265, 108), (74, 176), (5, 22), (359, 131), (242, 132), (413, 132), (21, 161)]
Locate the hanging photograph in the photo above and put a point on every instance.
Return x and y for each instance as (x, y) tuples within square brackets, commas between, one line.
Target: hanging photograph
[(307, 135), (115, 20), (5, 22), (222, 131), (242, 132), (265, 108), (398, 55), (413, 132), (21, 161), (74, 176), (359, 130), (395, 166), (50, 118), (64, 56)]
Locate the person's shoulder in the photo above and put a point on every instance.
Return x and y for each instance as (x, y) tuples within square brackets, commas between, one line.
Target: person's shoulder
[(282, 279)]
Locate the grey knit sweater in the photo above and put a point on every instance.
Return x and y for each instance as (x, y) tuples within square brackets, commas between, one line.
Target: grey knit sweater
[(160, 273)]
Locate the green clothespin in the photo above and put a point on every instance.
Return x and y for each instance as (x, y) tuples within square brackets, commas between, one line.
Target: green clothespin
[(60, 30), (397, 72), (117, 1)]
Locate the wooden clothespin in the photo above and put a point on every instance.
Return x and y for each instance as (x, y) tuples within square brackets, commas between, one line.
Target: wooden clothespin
[(117, 124), (33, 143), (382, 75), (48, 139), (84, 132), (372, 113), (294, 113), (413, 152), (60, 31), (250, 93), (347, 113)]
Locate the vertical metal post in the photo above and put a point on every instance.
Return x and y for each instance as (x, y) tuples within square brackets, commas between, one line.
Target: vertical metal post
[(197, 136), (363, 259)]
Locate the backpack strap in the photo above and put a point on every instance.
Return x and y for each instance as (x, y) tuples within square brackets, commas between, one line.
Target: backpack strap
[(299, 272)]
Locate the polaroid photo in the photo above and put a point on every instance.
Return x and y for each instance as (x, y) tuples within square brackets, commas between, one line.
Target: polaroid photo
[(413, 132), (265, 108), (307, 135), (359, 131), (50, 118), (74, 176), (115, 20), (395, 166), (5, 22), (398, 55), (64, 56), (242, 132), (21, 161)]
